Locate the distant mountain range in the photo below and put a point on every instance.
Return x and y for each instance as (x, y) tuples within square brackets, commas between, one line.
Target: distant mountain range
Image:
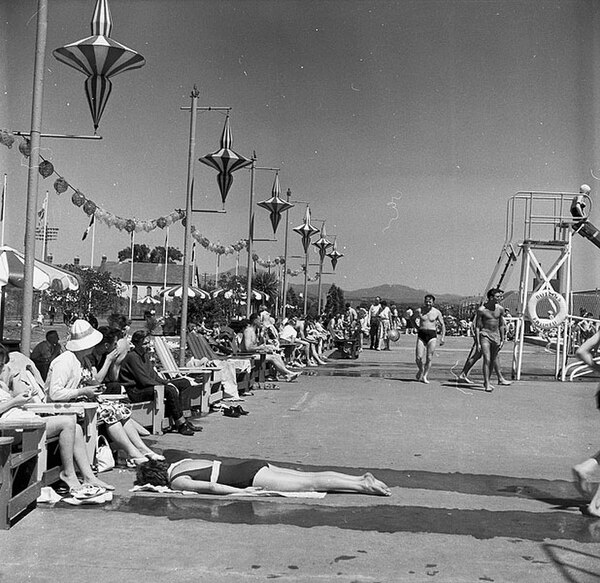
[(400, 294)]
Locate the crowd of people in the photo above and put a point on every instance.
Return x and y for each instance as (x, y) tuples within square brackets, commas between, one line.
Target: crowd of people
[(96, 361)]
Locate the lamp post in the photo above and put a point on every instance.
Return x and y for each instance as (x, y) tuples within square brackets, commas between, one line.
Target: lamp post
[(306, 230), (251, 239), (322, 244), (193, 108)]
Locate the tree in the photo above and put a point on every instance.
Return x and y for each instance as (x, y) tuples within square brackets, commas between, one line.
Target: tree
[(335, 300), (98, 292), (143, 254), (266, 282), (157, 255)]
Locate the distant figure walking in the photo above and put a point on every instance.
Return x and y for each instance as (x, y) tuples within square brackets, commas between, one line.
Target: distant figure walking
[(427, 320)]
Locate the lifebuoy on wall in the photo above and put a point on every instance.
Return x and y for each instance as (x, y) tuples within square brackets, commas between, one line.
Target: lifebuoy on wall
[(547, 323)]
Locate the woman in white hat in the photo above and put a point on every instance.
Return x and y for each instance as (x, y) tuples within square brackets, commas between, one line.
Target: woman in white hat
[(68, 379)]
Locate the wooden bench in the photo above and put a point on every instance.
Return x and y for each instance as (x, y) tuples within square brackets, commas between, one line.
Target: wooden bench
[(149, 414), (20, 486)]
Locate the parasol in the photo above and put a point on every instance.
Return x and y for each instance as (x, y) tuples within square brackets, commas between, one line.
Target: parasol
[(306, 230), (229, 293), (225, 161), (275, 205), (177, 291), (99, 57), (148, 301), (45, 276)]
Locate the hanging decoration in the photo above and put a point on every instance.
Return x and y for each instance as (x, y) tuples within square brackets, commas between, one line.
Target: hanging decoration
[(218, 248), (225, 161), (322, 244), (6, 139), (275, 205), (334, 255), (306, 230), (46, 168), (268, 262), (99, 57), (61, 185), (25, 148)]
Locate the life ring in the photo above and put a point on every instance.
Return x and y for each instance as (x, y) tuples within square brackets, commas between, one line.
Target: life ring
[(547, 323)]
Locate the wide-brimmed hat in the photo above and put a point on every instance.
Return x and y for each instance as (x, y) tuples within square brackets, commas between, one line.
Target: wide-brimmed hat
[(82, 336)]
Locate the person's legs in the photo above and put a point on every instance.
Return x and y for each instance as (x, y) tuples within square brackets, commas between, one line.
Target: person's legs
[(474, 356), (117, 433), (428, 358), (486, 351), (279, 365), (136, 440), (287, 480), (83, 461), (583, 473), (420, 352), (64, 427)]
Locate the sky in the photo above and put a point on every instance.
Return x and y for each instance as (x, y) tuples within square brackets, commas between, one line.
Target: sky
[(406, 125)]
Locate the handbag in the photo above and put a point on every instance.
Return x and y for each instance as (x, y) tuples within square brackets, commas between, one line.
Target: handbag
[(104, 456)]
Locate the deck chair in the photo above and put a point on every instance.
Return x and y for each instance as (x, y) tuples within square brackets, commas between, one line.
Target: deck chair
[(20, 486), (578, 369), (201, 349), (206, 389)]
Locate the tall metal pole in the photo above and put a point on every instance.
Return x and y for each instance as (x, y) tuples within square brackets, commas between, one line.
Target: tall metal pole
[(320, 286), (188, 226), (285, 257), (250, 238), (306, 282), (33, 174)]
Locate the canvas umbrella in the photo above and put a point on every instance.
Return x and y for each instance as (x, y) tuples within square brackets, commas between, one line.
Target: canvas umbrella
[(148, 301), (275, 205), (225, 161), (45, 276), (177, 291), (99, 57), (306, 230)]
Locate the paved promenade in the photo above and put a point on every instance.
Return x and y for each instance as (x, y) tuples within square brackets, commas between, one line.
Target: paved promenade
[(481, 487)]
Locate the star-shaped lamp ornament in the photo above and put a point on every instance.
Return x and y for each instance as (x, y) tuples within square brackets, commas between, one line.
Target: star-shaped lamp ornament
[(225, 161), (322, 243), (275, 205), (99, 57), (334, 255), (306, 230)]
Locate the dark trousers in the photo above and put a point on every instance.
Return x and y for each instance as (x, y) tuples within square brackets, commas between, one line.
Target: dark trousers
[(374, 334), (176, 396)]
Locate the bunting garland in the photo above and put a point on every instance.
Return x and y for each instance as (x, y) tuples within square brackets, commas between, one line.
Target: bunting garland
[(88, 206)]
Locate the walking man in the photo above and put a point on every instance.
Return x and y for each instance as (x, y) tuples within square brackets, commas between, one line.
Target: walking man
[(490, 334), (427, 320)]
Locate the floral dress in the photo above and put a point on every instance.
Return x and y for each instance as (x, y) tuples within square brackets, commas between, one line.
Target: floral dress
[(109, 412)]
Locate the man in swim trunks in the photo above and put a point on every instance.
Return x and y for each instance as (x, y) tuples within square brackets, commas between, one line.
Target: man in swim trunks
[(426, 321), (490, 333)]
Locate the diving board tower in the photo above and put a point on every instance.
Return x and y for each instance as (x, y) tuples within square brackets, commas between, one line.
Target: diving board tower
[(544, 246)]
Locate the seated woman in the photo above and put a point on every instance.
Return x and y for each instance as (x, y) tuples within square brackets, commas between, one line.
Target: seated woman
[(73, 452), (230, 477), (69, 378), (250, 344)]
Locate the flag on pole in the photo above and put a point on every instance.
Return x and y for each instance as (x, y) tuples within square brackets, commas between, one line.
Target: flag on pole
[(42, 212), (2, 201), (85, 234)]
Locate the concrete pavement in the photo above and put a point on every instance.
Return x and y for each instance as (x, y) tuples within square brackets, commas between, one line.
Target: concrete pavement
[(481, 487)]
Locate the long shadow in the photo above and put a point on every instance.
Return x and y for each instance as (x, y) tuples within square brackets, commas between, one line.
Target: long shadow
[(574, 565)]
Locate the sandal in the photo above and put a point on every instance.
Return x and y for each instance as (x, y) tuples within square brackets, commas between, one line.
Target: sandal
[(155, 457), (86, 491)]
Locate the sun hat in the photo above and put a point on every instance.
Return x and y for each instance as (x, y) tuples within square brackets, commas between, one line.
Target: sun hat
[(82, 336)]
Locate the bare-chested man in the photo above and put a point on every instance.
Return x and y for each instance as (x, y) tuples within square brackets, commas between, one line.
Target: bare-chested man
[(490, 333), (427, 320)]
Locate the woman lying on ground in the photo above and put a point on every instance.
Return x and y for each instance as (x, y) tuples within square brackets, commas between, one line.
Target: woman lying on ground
[(73, 375), (230, 477), (72, 447)]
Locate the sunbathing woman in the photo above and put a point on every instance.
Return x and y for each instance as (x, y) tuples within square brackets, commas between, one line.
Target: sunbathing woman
[(230, 477)]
